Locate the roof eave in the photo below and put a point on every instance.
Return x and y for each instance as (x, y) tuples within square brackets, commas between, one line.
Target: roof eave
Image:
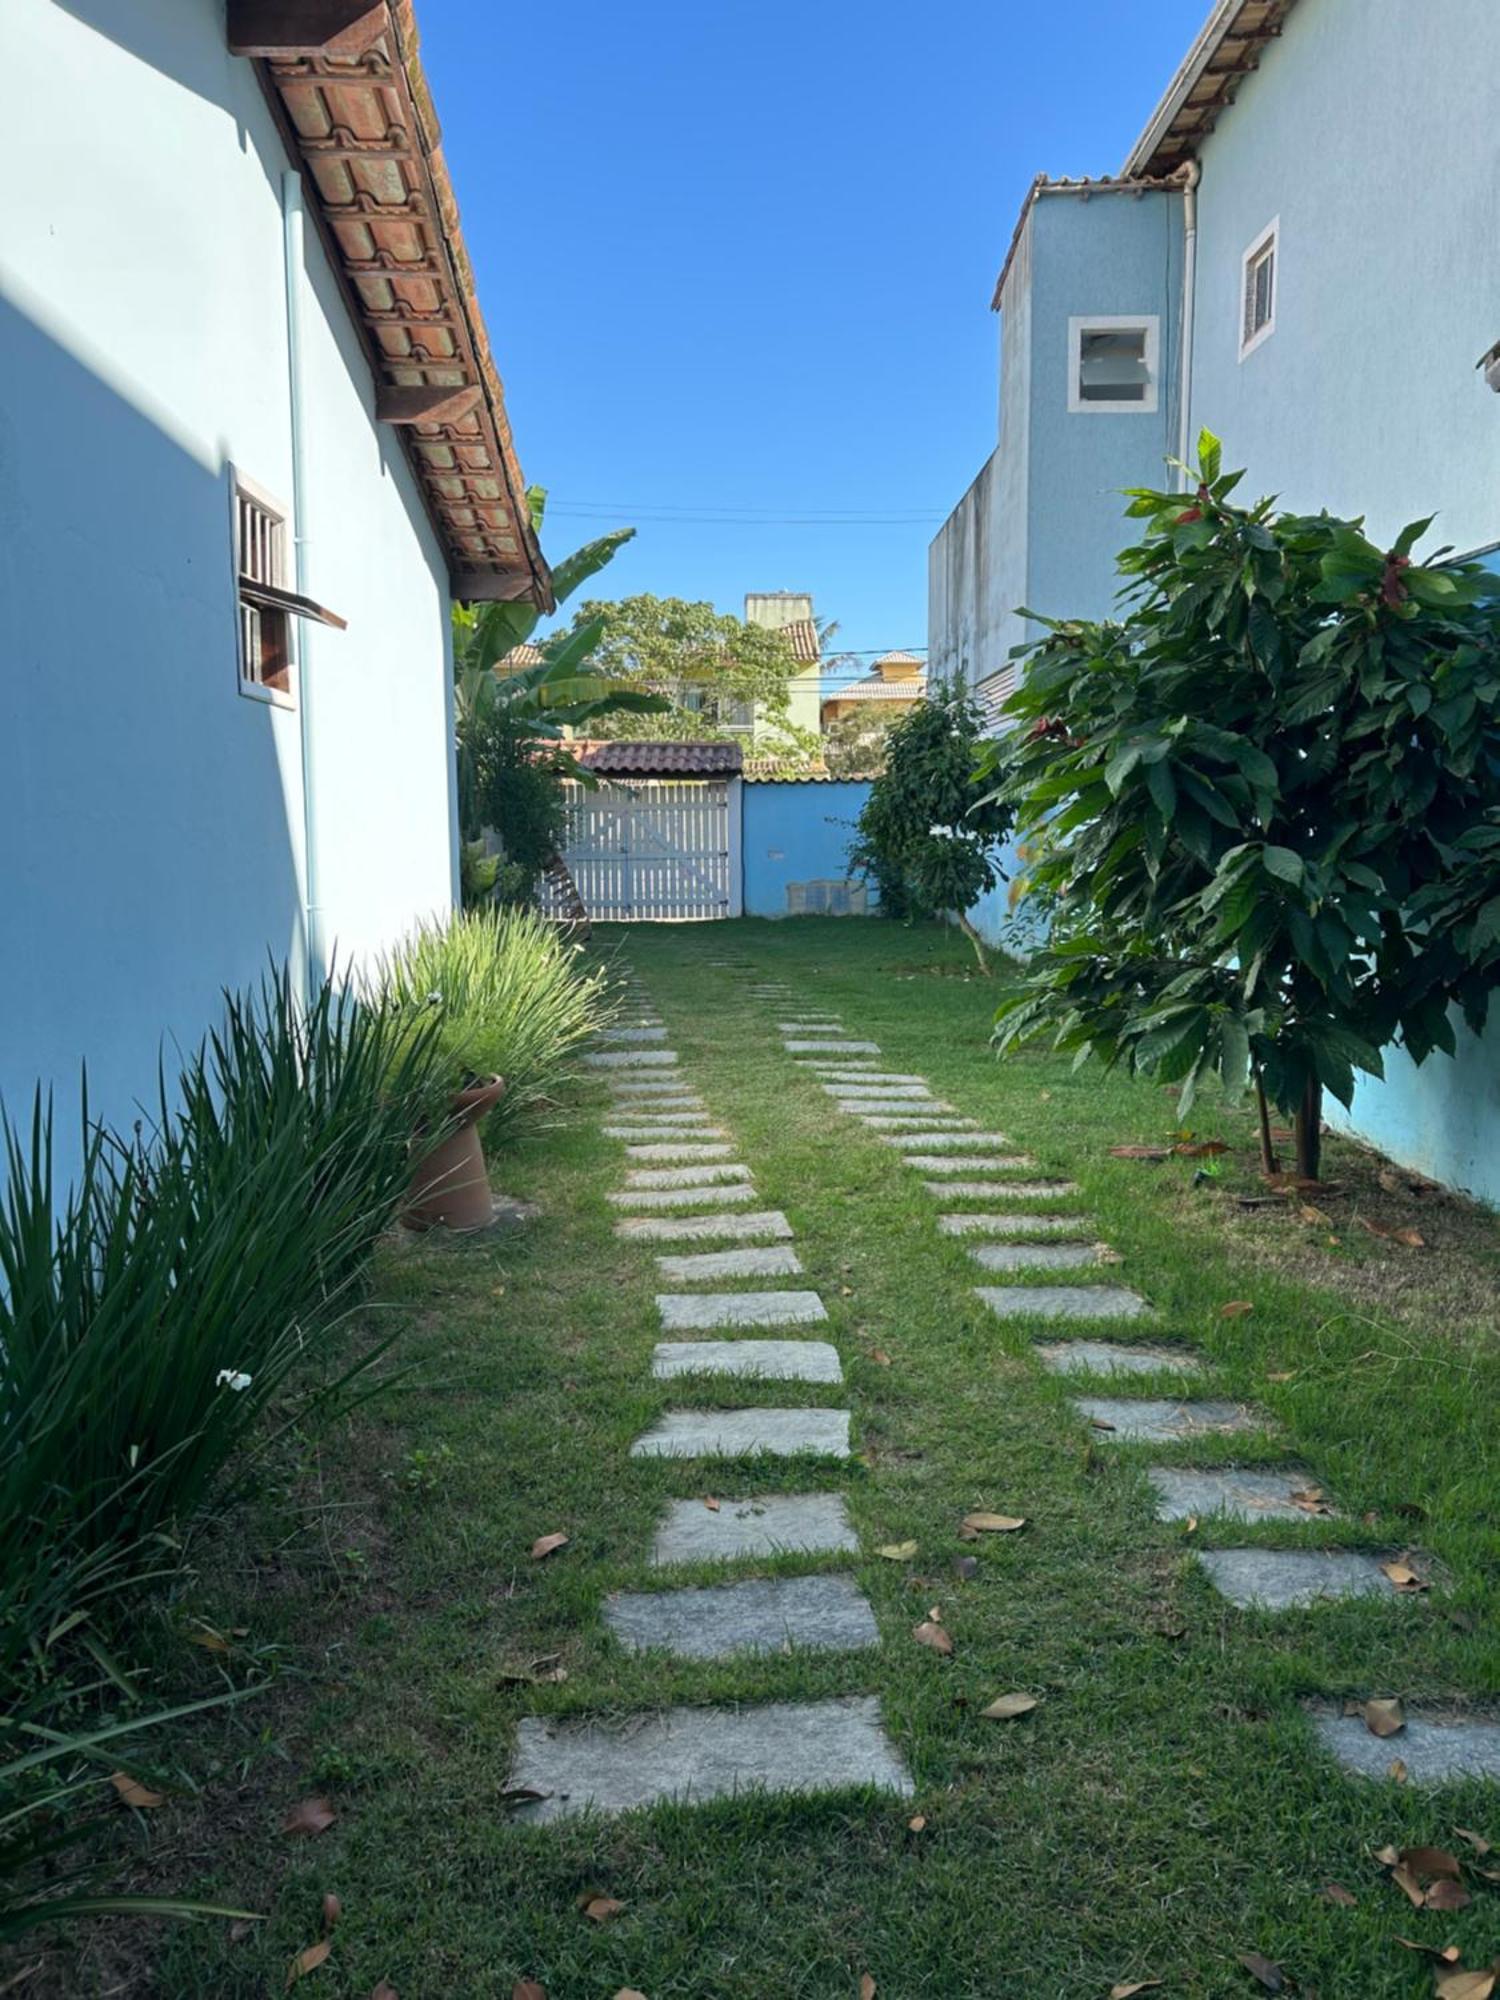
[(461, 454), (1179, 124)]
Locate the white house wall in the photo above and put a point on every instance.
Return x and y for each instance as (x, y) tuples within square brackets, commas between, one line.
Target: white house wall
[(151, 815)]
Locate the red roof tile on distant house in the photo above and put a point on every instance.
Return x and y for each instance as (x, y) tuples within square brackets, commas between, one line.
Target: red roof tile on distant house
[(664, 760)]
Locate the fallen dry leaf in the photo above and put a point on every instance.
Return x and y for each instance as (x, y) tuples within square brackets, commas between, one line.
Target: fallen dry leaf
[(1310, 1500), (1396, 1771), (917, 1823), (384, 1991), (528, 1989), (1476, 1840), (1308, 1213), (1445, 1954), (1190, 1525), (544, 1545), (308, 1961), (898, 1552), (1403, 1576), (630, 1993), (1412, 1238), (1383, 1718), (1127, 1988), (599, 1909), (1200, 1149), (930, 1633), (1006, 1707), (333, 1909), (866, 1987), (1283, 1375), (1266, 1970), (210, 1640), (994, 1524), (1335, 1892), (880, 1357), (711, 1504), (965, 1568), (1409, 1886), (309, 1816), (1140, 1152), (1100, 1424), (133, 1793), (1237, 1308), (1478, 1985), (1449, 1896), (1433, 1862)]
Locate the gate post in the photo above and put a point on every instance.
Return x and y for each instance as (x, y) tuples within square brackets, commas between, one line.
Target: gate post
[(736, 845)]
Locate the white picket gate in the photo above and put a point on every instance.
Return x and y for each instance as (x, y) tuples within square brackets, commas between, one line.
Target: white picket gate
[(654, 850)]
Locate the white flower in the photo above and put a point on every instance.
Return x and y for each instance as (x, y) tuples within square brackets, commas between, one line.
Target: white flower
[(230, 1378)]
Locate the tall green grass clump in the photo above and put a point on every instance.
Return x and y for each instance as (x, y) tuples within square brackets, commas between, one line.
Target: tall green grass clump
[(508, 993), (178, 1304)]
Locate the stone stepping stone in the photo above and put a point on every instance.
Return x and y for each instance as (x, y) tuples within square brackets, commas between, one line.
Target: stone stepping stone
[(933, 1162), (676, 1151), (648, 1086), (639, 1114), (637, 1132), (684, 1177), (696, 1754), (997, 1190), (1063, 1301), (768, 1360), (688, 1197), (1010, 1225), (935, 1120), (761, 1615), (775, 1524), (1150, 1421), (764, 1223), (773, 1262), (826, 1027), (961, 1142), (643, 1033), (633, 1059), (743, 1433), (1292, 1579), (1106, 1357), (861, 1071), (797, 1047), (652, 1105), (683, 1311), (855, 1094), (1436, 1750), (1232, 1492), (1036, 1256)]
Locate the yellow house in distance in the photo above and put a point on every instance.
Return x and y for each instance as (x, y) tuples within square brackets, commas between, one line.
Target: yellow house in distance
[(895, 686), (790, 612)]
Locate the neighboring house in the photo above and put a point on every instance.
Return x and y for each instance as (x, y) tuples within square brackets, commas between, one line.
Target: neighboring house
[(893, 688), (1300, 253), (248, 379), (791, 612)]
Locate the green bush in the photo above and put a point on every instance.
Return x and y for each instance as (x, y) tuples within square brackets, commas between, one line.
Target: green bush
[(508, 993), (189, 1285)]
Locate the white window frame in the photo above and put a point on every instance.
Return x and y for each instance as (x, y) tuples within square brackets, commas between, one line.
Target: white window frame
[(255, 690), (1147, 323), (1268, 239)]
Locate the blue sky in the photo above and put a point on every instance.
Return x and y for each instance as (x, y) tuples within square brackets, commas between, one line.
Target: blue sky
[(737, 261)]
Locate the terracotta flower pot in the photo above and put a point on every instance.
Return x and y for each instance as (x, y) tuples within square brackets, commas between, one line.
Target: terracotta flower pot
[(450, 1188)]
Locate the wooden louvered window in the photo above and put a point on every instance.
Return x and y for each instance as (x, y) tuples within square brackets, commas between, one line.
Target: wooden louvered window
[(261, 558), (1258, 291)]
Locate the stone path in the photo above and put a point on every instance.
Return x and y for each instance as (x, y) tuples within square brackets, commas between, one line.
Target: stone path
[(682, 1185), (684, 1188)]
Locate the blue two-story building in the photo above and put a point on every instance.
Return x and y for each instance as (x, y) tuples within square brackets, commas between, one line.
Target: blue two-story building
[(1300, 252)]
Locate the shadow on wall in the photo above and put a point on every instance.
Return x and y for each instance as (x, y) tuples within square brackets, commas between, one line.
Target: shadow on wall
[(149, 814)]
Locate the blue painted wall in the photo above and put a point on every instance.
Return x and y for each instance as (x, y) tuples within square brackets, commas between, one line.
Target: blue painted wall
[(796, 832)]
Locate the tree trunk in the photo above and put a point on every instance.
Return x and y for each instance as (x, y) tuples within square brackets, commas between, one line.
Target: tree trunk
[(974, 939), (1270, 1162), (1309, 1124)]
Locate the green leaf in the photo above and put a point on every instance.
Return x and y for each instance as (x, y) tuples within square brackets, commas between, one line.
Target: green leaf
[(1284, 864), (1210, 456), (577, 568), (1159, 782)]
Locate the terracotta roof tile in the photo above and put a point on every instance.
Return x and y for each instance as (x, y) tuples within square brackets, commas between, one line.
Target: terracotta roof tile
[(357, 118), (664, 760)]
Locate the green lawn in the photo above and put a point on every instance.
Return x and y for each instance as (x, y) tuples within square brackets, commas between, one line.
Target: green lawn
[(1163, 1809)]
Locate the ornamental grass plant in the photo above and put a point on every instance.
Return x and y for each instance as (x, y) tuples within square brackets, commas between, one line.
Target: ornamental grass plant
[(507, 993)]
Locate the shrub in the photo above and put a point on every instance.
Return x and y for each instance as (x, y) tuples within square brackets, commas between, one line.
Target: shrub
[(509, 994)]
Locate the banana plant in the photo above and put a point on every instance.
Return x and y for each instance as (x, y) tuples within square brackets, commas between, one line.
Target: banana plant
[(557, 693)]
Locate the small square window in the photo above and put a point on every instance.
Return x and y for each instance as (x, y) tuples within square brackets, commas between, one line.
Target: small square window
[(1112, 364), (260, 559), (1258, 291)]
